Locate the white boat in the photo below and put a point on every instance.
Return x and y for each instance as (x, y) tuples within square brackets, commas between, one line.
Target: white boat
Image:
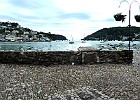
[(83, 41), (71, 42), (88, 48)]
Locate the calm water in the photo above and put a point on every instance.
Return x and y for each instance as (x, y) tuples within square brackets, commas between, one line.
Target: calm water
[(65, 46)]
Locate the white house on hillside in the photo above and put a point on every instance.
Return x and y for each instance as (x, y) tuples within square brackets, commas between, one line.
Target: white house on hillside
[(10, 37), (33, 32), (26, 33)]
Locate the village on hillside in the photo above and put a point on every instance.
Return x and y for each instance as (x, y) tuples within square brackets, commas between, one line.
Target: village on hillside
[(11, 31)]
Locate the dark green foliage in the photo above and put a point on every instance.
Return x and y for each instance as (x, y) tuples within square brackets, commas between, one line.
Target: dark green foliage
[(5, 23), (27, 29), (56, 37), (14, 24), (2, 31), (114, 33), (53, 37)]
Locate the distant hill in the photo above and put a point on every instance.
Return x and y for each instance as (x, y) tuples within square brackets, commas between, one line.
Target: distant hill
[(115, 33), (13, 28)]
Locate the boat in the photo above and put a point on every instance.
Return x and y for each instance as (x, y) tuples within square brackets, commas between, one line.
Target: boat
[(71, 42), (87, 48), (83, 41), (103, 41)]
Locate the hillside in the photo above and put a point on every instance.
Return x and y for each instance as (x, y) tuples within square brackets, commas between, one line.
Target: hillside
[(11, 31), (115, 33)]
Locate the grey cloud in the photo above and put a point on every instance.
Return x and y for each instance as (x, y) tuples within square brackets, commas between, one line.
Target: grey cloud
[(19, 19), (81, 16), (10, 18), (110, 19), (25, 3)]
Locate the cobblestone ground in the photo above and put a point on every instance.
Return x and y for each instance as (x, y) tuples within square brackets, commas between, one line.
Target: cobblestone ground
[(69, 82), (84, 93), (136, 58)]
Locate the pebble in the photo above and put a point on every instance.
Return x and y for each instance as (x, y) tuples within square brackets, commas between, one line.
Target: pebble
[(70, 82)]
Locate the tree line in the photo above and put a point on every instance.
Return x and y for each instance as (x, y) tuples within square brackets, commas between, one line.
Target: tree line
[(115, 33)]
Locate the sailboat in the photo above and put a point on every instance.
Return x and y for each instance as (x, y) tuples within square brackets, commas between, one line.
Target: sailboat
[(71, 42), (83, 41)]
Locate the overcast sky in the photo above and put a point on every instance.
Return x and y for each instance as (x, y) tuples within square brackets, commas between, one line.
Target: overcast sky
[(78, 18)]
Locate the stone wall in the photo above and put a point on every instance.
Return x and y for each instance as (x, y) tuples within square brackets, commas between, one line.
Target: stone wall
[(67, 57)]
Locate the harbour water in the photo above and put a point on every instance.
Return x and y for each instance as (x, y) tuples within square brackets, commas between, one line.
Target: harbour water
[(65, 46)]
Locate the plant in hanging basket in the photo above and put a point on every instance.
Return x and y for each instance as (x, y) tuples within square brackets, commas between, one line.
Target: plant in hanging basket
[(119, 17), (137, 18)]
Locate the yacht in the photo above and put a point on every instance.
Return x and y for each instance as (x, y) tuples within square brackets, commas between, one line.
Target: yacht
[(71, 42)]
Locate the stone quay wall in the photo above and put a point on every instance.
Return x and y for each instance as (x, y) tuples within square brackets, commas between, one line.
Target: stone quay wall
[(67, 57)]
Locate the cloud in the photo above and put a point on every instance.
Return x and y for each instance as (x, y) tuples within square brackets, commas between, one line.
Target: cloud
[(5, 17), (81, 16), (109, 19), (31, 4)]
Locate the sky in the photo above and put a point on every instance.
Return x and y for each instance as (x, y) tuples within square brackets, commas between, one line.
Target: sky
[(76, 18)]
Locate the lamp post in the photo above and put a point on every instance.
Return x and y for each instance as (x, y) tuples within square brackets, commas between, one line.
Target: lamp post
[(123, 17)]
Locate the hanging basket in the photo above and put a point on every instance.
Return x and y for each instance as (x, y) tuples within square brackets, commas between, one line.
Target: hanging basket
[(119, 17), (137, 18)]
